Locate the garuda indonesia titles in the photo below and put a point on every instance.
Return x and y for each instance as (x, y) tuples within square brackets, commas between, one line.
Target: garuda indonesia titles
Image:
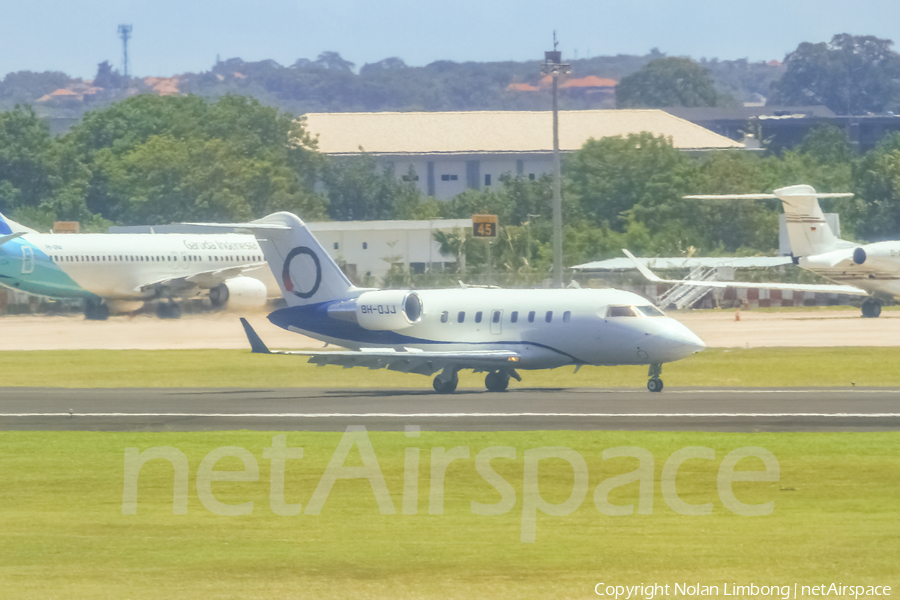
[(118, 272)]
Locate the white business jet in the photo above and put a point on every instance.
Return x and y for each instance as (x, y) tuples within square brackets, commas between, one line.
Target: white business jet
[(859, 269), (119, 272), (497, 331)]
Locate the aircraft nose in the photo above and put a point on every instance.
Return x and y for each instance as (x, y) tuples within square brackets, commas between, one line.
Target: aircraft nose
[(673, 342), (683, 338)]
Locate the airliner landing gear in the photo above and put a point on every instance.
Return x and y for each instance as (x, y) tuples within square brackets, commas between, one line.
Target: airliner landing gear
[(446, 382), (95, 310), (497, 381), (655, 384), (168, 310), (871, 308)]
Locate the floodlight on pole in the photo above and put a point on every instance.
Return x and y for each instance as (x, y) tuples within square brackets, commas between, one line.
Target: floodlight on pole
[(554, 67), (125, 34)]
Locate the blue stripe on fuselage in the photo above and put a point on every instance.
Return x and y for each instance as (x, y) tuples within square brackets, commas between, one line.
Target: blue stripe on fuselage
[(314, 319)]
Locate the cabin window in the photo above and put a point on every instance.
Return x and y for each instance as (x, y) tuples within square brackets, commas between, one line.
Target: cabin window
[(514, 316), (478, 317), (531, 317), (566, 316), (365, 246), (621, 311), (444, 316), (549, 316), (496, 317), (651, 311), (336, 246), (461, 316)]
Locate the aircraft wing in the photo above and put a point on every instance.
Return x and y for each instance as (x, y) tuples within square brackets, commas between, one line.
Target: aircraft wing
[(409, 361), (799, 287), (203, 280)]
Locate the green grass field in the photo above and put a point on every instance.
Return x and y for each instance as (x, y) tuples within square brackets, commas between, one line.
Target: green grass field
[(836, 518), (760, 367)]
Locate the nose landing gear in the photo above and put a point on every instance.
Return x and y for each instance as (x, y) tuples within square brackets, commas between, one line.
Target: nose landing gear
[(95, 310), (655, 384)]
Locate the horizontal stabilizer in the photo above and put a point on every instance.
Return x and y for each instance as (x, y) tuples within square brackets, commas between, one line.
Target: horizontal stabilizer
[(765, 196), (10, 237), (257, 346), (797, 287)]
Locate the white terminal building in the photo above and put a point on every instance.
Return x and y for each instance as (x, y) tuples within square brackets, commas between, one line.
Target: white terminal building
[(446, 153)]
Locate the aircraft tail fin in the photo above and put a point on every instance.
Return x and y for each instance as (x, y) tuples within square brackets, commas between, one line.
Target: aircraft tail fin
[(807, 229), (8, 226), (303, 269)]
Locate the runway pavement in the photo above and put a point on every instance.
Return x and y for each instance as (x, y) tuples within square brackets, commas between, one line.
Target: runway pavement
[(677, 409)]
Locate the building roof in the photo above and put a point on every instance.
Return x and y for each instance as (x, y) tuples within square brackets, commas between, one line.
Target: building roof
[(492, 132), (389, 225), (521, 87), (591, 81), (737, 262)]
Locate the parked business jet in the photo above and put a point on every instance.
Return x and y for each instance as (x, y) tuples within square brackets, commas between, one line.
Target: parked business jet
[(860, 269), (496, 331), (119, 272)]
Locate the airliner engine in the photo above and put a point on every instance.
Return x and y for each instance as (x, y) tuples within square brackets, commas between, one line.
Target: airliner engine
[(239, 292), (388, 309)]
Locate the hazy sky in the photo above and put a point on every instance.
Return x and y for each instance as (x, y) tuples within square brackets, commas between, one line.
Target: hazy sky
[(174, 36)]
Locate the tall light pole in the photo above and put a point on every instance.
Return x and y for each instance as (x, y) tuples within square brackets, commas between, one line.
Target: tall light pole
[(554, 67), (125, 34)]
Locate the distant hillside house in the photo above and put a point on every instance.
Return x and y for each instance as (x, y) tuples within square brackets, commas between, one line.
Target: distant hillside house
[(450, 152)]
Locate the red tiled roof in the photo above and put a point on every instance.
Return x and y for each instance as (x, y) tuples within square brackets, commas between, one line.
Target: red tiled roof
[(521, 87), (590, 81)]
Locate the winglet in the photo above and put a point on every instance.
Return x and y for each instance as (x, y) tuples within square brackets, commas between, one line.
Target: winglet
[(256, 344), (642, 268)]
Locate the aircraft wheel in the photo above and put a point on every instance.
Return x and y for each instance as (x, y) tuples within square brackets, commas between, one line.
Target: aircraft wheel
[(95, 311), (496, 381), (655, 385), (218, 295), (871, 308), (168, 310), (445, 387)]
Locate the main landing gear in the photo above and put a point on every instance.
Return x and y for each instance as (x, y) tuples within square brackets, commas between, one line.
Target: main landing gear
[(871, 308), (95, 310), (168, 310), (446, 382), (498, 381), (655, 384)]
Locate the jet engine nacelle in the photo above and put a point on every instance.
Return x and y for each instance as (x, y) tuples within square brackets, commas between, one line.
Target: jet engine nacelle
[(239, 292), (388, 309), (880, 256)]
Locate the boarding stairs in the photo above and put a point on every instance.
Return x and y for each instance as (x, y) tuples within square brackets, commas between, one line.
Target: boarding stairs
[(683, 295)]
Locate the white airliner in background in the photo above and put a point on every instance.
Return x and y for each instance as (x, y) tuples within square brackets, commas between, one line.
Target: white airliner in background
[(497, 331), (119, 272), (863, 269)]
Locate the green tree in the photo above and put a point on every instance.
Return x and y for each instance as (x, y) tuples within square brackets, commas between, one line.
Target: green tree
[(850, 74), (25, 178), (156, 159), (639, 176), (876, 180), (667, 82)]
